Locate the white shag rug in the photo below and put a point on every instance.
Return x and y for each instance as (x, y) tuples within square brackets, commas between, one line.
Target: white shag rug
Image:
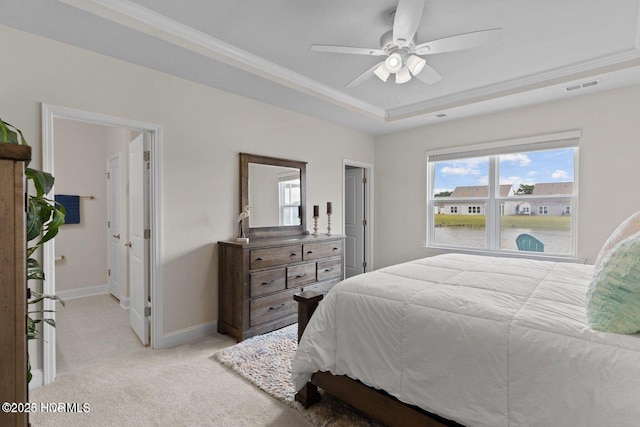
[(265, 361)]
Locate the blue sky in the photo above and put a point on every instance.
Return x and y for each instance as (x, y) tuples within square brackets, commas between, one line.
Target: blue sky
[(519, 168)]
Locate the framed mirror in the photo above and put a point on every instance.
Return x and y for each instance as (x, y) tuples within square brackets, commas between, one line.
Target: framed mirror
[(275, 190)]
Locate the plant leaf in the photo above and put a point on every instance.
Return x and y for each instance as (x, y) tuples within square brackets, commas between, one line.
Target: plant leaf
[(39, 180), (35, 274)]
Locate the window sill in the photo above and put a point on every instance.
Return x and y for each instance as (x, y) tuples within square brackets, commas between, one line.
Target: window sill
[(505, 254)]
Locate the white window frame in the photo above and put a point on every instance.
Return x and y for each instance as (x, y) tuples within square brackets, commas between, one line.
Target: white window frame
[(492, 150), (281, 193)]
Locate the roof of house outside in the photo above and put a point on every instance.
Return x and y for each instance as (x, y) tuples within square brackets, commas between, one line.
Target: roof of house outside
[(479, 191), (553, 188)]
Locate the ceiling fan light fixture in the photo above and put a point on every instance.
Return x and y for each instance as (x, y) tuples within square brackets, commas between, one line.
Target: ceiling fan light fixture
[(393, 62), (415, 64), (382, 72), (403, 75)]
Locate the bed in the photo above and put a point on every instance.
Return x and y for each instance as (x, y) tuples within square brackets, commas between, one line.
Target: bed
[(481, 341)]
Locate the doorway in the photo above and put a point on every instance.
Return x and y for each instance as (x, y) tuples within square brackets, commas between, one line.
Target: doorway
[(357, 195), (151, 285)]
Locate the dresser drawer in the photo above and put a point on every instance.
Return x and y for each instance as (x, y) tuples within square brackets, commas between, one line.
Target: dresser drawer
[(329, 269), (266, 282), (261, 258), (322, 250), (300, 275), (273, 307)]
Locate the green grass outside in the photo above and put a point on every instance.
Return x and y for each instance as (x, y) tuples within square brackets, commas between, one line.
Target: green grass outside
[(543, 222)]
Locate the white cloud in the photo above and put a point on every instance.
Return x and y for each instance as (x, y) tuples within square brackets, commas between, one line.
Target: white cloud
[(519, 158), (510, 180), (532, 173), (463, 167), (559, 174), (483, 180), (458, 171)]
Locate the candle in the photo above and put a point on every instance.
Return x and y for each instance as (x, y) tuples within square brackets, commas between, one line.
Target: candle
[(316, 210), (329, 208)]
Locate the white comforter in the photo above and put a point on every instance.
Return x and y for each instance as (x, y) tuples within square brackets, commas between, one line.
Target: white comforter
[(480, 340)]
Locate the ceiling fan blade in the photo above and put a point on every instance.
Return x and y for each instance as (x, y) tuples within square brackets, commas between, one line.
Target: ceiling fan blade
[(406, 21), (347, 49), (428, 75), (459, 42), (364, 76)]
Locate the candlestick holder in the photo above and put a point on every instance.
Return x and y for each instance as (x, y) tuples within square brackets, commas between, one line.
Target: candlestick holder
[(328, 224), (315, 226)]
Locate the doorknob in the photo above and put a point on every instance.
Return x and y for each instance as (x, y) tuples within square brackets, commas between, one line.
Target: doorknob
[(128, 244), (117, 236)]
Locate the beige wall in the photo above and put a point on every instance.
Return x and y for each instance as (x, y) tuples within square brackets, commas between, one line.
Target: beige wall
[(80, 154), (203, 130), (609, 154), (81, 151)]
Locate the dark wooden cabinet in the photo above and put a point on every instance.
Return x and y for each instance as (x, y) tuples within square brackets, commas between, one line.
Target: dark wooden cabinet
[(13, 283), (257, 280)]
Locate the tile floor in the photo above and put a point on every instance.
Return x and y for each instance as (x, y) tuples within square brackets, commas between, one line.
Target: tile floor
[(90, 330)]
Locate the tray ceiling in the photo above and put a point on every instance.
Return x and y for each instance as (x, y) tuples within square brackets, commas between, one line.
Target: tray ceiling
[(261, 50)]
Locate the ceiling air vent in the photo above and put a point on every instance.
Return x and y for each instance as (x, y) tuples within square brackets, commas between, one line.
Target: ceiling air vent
[(584, 85)]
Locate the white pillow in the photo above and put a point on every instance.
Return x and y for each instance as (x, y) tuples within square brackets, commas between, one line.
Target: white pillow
[(628, 227)]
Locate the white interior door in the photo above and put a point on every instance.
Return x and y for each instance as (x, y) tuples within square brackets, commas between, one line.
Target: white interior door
[(354, 221), (138, 245), (114, 225)]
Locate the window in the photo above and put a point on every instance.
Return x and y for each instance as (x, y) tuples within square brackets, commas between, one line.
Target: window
[(289, 190), (505, 189)]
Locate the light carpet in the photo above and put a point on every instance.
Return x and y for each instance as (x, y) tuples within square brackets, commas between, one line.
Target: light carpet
[(181, 386), (265, 361)]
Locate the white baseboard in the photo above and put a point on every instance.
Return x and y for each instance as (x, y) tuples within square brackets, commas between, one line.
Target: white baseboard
[(37, 379), (187, 335), (82, 292), (124, 303)]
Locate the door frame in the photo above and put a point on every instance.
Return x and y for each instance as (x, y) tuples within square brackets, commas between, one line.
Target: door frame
[(51, 112), (368, 207)]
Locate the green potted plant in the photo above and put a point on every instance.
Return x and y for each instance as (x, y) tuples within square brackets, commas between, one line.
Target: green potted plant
[(44, 218)]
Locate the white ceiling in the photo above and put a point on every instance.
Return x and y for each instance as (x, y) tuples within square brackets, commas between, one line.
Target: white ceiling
[(260, 49)]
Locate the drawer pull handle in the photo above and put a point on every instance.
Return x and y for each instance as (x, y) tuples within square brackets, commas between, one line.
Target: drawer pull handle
[(328, 269), (299, 276), (335, 249), (267, 283), (309, 252), (277, 307), (259, 259), (293, 254)]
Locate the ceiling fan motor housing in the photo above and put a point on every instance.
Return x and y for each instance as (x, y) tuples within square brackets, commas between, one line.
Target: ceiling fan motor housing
[(387, 44)]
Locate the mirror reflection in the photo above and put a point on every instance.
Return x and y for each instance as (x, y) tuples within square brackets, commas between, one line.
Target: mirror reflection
[(274, 195)]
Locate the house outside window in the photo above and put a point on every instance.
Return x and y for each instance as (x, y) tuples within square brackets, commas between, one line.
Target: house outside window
[(501, 190)]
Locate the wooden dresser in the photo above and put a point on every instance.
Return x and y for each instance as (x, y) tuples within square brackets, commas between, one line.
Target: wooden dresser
[(257, 280), (13, 282)]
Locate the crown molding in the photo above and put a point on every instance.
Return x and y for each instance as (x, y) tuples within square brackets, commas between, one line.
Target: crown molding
[(627, 59), (141, 19), (146, 21)]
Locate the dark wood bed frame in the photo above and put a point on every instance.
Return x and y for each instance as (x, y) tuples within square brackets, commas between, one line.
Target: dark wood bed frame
[(373, 402)]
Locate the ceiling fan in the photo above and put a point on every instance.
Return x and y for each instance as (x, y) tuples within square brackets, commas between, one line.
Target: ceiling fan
[(403, 54)]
